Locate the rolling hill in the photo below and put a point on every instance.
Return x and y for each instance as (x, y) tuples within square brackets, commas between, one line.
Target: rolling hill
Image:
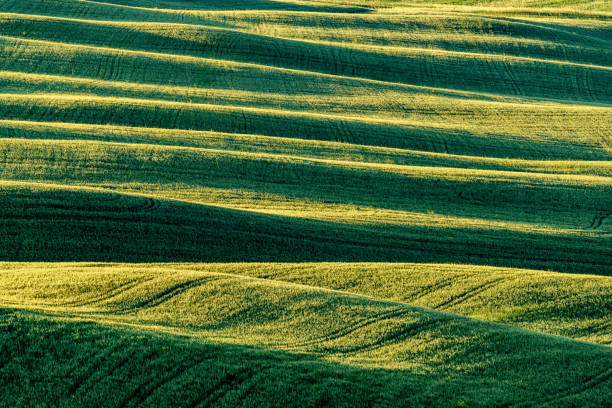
[(305, 203)]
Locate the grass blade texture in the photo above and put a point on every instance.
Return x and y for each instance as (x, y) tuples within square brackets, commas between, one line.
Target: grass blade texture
[(299, 203)]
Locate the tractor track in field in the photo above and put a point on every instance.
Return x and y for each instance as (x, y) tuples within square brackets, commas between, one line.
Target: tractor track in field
[(114, 68), (174, 374), (144, 205), (600, 326), (148, 204), (458, 299), (228, 382), (432, 289), (108, 295), (145, 390), (598, 221), (92, 367), (471, 198), (517, 90), (167, 294), (396, 336), (351, 328), (111, 197), (113, 368), (235, 40), (591, 383), (72, 369), (586, 83)]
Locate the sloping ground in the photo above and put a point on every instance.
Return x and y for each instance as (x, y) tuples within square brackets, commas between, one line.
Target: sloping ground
[(467, 149), (180, 333), (576, 306)]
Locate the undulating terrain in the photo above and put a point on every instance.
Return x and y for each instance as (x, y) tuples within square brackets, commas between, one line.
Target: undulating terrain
[(216, 203)]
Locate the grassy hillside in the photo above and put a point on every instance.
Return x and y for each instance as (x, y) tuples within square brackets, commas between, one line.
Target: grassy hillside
[(576, 306), (305, 203), (313, 345)]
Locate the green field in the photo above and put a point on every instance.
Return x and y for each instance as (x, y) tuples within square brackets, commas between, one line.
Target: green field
[(356, 203)]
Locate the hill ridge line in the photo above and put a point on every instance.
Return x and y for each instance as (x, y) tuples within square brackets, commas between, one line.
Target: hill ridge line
[(441, 314), (221, 61), (345, 45), (604, 180)]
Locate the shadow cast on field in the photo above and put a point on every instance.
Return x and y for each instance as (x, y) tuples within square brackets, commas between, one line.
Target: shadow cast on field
[(135, 366), (61, 224), (186, 372)]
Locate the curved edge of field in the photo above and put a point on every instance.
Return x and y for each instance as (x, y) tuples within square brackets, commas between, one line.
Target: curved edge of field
[(68, 223), (575, 306), (147, 326)]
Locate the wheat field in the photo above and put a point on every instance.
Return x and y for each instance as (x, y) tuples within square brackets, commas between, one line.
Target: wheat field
[(275, 203)]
